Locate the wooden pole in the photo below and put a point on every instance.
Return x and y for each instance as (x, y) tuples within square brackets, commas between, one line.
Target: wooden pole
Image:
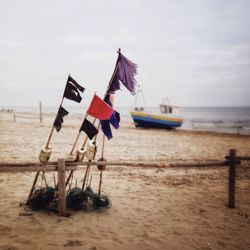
[(100, 183), (52, 129), (103, 143), (85, 180), (77, 137), (115, 70), (40, 112), (33, 186), (74, 145), (72, 150), (50, 135), (61, 188), (85, 176), (14, 117), (231, 183)]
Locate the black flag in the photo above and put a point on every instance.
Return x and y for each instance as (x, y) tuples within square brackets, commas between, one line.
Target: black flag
[(72, 90), (89, 129), (59, 118)]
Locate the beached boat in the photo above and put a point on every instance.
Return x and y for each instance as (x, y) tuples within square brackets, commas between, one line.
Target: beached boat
[(168, 117)]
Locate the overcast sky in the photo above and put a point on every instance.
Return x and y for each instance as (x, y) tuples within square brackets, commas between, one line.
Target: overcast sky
[(196, 52)]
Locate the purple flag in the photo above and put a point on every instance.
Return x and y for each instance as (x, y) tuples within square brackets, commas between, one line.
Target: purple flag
[(126, 71)]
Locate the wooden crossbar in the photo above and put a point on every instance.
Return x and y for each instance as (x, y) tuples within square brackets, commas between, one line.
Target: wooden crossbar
[(61, 166), (53, 166)]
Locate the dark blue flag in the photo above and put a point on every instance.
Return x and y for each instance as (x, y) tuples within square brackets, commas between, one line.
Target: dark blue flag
[(59, 118), (114, 121)]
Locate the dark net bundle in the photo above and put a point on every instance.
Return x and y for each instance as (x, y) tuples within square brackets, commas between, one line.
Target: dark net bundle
[(41, 198), (75, 199), (98, 200)]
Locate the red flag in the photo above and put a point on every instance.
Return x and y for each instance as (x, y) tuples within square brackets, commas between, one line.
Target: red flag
[(100, 109)]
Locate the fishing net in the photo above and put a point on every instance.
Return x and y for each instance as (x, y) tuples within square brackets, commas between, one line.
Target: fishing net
[(87, 199), (41, 198), (75, 199), (97, 200)]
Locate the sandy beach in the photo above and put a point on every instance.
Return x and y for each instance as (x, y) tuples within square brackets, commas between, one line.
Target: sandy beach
[(170, 208)]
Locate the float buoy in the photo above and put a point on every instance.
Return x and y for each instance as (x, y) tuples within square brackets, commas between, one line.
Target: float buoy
[(101, 167), (44, 155), (91, 150)]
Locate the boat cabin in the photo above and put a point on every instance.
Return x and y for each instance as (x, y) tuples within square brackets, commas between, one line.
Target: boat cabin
[(167, 108)]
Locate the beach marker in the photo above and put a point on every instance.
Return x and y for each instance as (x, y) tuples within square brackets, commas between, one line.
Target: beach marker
[(231, 181)]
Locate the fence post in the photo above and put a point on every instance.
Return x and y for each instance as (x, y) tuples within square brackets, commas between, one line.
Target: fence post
[(231, 183), (40, 112), (14, 117), (61, 188)]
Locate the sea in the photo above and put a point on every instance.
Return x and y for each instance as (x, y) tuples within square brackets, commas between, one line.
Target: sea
[(234, 120)]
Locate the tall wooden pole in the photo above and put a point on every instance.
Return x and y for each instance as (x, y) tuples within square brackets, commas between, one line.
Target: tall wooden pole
[(74, 145), (77, 137), (33, 185), (231, 182), (85, 179), (40, 112), (85, 176), (52, 129), (100, 183), (113, 75)]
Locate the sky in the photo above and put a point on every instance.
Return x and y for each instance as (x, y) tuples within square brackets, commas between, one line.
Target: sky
[(195, 52)]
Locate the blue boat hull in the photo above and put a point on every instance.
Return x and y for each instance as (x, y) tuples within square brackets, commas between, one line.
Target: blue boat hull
[(151, 121)]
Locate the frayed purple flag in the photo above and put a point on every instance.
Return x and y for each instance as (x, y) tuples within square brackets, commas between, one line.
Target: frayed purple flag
[(126, 71)]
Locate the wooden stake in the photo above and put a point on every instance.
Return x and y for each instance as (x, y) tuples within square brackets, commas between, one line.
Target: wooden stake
[(88, 167), (53, 128), (61, 188), (40, 112), (68, 179), (103, 142), (33, 186), (231, 183), (100, 183), (54, 177), (50, 135), (77, 137), (85, 176), (74, 145)]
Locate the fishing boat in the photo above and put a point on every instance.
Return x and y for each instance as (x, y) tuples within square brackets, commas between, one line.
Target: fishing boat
[(167, 118)]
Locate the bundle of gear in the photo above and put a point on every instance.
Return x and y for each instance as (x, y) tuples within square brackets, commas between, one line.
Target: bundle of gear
[(99, 109)]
